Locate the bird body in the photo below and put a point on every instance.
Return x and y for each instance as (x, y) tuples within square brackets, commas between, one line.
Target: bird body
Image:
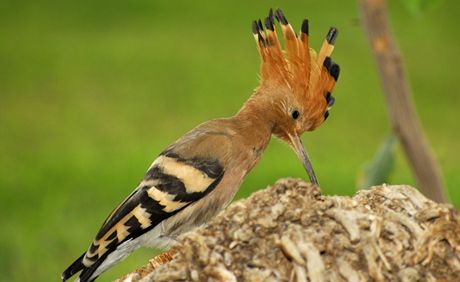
[(199, 174)]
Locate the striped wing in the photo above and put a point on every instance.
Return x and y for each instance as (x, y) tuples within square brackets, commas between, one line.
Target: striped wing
[(170, 184)]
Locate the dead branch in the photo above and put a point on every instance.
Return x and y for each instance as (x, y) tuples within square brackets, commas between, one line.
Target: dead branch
[(401, 109)]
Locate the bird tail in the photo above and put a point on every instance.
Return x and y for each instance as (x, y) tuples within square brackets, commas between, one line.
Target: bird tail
[(86, 272), (74, 268)]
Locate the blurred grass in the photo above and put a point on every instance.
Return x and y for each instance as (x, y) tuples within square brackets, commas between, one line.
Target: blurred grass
[(92, 91)]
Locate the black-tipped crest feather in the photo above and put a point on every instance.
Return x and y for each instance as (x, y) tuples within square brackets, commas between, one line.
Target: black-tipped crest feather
[(335, 71), (280, 17), (259, 23), (270, 16), (327, 63), (332, 35), (305, 27), (269, 24)]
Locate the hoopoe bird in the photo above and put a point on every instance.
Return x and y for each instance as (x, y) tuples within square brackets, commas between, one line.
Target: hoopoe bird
[(198, 175)]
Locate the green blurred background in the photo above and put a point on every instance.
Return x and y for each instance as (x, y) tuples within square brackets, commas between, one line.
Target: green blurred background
[(92, 91)]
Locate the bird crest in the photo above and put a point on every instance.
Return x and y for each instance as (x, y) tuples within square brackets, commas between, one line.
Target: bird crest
[(309, 76)]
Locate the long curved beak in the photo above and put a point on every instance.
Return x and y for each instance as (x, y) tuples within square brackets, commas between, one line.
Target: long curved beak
[(302, 154)]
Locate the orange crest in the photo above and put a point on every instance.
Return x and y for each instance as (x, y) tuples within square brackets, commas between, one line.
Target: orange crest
[(309, 76)]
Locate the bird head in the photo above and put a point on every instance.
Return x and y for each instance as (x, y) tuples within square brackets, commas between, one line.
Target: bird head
[(297, 80)]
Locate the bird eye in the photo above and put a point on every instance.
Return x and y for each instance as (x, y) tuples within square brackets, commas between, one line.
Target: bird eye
[(295, 114)]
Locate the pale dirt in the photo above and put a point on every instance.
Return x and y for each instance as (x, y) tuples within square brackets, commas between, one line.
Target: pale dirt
[(290, 232)]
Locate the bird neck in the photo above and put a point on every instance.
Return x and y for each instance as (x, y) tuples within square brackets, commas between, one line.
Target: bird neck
[(255, 121)]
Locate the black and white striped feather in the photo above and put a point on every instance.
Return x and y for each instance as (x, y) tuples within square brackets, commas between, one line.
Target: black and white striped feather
[(172, 183)]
